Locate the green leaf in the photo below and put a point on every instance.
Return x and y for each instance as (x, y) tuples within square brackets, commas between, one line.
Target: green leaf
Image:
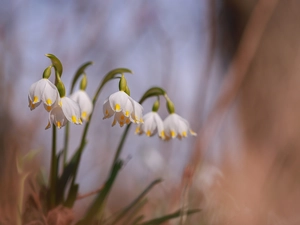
[(154, 91), (67, 175), (131, 205), (130, 217), (56, 63), (165, 218), (137, 220), (79, 72), (72, 196), (97, 206)]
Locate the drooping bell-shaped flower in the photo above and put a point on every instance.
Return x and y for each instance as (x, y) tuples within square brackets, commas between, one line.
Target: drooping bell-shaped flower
[(66, 109), (176, 126), (43, 91), (85, 103), (119, 104), (122, 106), (82, 98), (152, 124)]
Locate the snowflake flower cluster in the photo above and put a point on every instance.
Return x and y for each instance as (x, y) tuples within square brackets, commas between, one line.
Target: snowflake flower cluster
[(61, 109), (125, 110)]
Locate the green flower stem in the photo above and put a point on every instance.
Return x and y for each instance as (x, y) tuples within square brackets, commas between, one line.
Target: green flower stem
[(83, 139), (121, 143), (53, 171), (66, 141)]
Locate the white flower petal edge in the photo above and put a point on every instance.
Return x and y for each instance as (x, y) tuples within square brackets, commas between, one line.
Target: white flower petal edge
[(152, 124), (107, 110), (71, 110), (45, 91), (176, 126), (118, 100), (137, 113), (57, 117), (85, 103), (121, 119)]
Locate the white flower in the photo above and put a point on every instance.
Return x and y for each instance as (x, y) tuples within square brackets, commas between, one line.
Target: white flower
[(66, 109), (84, 102), (152, 124), (176, 126), (123, 107), (43, 91)]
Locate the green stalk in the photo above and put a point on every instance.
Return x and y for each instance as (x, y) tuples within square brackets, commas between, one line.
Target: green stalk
[(85, 131), (119, 149), (66, 140), (53, 170)]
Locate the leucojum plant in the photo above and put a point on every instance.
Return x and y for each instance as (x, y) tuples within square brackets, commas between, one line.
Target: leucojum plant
[(62, 188)]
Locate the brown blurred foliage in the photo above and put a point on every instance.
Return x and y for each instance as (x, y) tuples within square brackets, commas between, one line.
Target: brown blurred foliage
[(259, 185)]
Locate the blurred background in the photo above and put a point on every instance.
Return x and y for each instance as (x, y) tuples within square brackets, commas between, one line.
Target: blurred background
[(231, 69)]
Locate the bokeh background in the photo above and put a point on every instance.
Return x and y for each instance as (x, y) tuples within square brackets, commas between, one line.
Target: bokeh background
[(231, 68)]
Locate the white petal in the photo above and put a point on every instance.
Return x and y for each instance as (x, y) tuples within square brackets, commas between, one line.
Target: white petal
[(121, 119), (50, 94), (57, 118), (36, 91), (137, 113), (160, 125), (107, 110), (170, 125), (149, 125), (31, 105), (71, 110), (84, 102), (128, 108), (118, 101)]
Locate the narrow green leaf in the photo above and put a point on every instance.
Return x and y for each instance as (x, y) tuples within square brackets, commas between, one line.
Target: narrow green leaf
[(56, 63), (130, 217), (165, 218), (137, 220), (67, 176), (72, 196), (79, 72), (97, 206), (135, 201)]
